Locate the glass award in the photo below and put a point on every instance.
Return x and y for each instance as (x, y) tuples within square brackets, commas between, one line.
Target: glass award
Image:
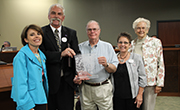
[(85, 65)]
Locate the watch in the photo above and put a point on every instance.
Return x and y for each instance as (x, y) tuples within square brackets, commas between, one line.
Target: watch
[(107, 65)]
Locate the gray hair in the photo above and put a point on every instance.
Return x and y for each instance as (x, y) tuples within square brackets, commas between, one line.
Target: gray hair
[(8, 43), (138, 20), (57, 5), (91, 22)]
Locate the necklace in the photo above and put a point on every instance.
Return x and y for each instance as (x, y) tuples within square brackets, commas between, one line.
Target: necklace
[(122, 59)]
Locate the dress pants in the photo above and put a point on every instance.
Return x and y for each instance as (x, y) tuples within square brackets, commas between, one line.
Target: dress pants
[(63, 99), (92, 97), (149, 98), (124, 104), (40, 107)]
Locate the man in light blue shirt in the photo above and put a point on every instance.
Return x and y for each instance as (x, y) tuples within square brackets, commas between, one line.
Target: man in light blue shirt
[(97, 92)]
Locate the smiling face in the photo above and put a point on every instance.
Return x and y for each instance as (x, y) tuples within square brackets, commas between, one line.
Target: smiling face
[(123, 44), (34, 38), (141, 30), (93, 30), (56, 16)]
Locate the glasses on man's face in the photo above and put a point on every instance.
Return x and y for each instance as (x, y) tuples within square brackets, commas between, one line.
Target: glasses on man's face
[(123, 42), (92, 29)]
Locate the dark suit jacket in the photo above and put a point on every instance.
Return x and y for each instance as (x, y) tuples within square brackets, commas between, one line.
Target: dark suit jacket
[(54, 61)]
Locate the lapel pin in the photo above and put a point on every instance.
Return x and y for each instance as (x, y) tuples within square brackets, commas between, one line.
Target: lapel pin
[(64, 39)]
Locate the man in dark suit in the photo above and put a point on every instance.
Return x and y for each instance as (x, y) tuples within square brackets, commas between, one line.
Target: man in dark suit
[(60, 44)]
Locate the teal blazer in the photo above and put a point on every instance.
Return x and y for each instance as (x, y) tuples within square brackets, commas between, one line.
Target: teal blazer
[(27, 85)]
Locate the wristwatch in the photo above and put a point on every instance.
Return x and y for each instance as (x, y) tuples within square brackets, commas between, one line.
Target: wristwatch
[(107, 65)]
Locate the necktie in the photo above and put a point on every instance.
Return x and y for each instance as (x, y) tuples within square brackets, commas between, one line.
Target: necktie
[(58, 43), (57, 39)]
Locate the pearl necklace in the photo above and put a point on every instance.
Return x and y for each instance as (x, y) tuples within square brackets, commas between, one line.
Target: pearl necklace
[(122, 59)]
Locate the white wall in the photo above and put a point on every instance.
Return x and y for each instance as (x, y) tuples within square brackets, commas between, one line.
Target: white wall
[(114, 16), (16, 14)]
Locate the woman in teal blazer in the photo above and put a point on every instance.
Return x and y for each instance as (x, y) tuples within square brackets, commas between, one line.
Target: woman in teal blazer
[(29, 82)]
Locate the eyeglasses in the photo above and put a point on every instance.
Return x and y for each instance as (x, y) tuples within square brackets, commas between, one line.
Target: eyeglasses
[(123, 42), (94, 29)]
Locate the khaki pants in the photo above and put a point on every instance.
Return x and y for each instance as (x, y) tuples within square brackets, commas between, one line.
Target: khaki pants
[(97, 96), (149, 98)]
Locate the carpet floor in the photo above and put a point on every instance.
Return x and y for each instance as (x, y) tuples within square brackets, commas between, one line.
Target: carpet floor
[(167, 103)]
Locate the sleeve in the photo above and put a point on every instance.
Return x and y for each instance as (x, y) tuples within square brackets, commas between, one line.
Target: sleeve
[(142, 81), (113, 56), (160, 65), (20, 92)]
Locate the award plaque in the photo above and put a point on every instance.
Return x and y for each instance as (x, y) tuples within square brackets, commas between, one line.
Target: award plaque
[(85, 65)]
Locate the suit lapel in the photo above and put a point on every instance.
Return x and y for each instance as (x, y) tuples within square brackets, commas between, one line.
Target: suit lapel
[(51, 37), (64, 38)]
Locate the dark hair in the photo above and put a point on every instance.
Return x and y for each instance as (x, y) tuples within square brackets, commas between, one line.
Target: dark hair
[(24, 32), (124, 34)]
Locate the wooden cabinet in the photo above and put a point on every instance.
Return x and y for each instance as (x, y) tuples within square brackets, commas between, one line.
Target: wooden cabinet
[(6, 72), (172, 72), (8, 56), (168, 32), (6, 103)]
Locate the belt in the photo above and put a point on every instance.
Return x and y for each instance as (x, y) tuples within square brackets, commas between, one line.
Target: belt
[(97, 84)]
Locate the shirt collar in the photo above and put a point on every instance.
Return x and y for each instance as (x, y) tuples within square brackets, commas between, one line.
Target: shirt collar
[(94, 45), (53, 29), (141, 40), (144, 39)]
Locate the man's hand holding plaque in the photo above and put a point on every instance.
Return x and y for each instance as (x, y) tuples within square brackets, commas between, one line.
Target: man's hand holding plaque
[(82, 75), (85, 64)]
